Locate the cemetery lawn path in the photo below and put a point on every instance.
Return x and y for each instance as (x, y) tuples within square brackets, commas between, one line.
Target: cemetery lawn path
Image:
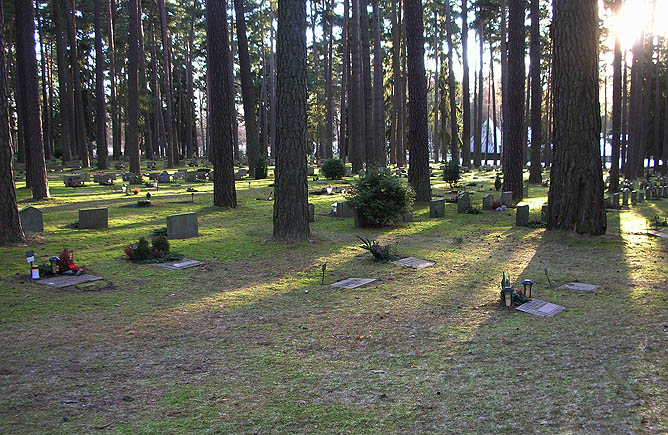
[(251, 342)]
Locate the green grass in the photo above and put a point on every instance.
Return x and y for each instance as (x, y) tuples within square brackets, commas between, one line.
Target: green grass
[(239, 346)]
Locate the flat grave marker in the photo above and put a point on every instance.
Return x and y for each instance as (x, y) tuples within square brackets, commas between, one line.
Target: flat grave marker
[(541, 308), (580, 286), (62, 281), (415, 263), (184, 263), (352, 283)]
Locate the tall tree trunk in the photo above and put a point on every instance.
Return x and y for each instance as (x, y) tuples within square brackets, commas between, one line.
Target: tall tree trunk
[(503, 47), (272, 88), (657, 107), (466, 96), (616, 109), (12, 232), (576, 179), (45, 100), (100, 107), (513, 162), (233, 98), (115, 121), (493, 92), (329, 126), (636, 149), (81, 135), (66, 99), (167, 83), (378, 88), (191, 142), (26, 66), (435, 134), (158, 118), (222, 156), (291, 191), (625, 118), (356, 114), (132, 144), (604, 127), (664, 148), (418, 170), (143, 85), (452, 88), (345, 93), (247, 92), (369, 144), (478, 125), (535, 174), (395, 138)]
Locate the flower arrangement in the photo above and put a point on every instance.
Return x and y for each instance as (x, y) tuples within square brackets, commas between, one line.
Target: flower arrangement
[(380, 253), (519, 297), (157, 252), (136, 191)]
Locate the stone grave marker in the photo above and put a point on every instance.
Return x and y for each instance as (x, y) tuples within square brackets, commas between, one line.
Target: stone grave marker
[(641, 196), (243, 172), (61, 281), (153, 175), (310, 170), (106, 179), (541, 308), (352, 283), (625, 198), (408, 217), (93, 218), (414, 263), (344, 210), (349, 172), (507, 199), (437, 208), (164, 177), (522, 216), (488, 202), (659, 233), (648, 193), (543, 213), (182, 226), (525, 191), (73, 180), (31, 220), (463, 202), (608, 201), (184, 263), (580, 286), (21, 167), (190, 176), (311, 212), (615, 200), (634, 196)]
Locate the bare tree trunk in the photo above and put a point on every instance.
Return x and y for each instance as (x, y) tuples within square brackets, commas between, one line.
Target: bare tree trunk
[(664, 149), (395, 137), (26, 68), (466, 96), (435, 134), (535, 174), (272, 90), (115, 121), (65, 96), (616, 109), (291, 191), (222, 156), (329, 127), (418, 170), (233, 98), (143, 85), (100, 107), (493, 92), (625, 118), (191, 142), (503, 47), (452, 88), (357, 139), (344, 108), (45, 99), (478, 125), (167, 83), (576, 179), (369, 143), (12, 232), (132, 144)]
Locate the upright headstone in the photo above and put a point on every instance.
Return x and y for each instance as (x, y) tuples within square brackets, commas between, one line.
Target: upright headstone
[(525, 191), (190, 176), (634, 196), (72, 180), (437, 208), (544, 213), (31, 220), (641, 196), (463, 202), (625, 198), (310, 170), (106, 179), (349, 172), (311, 212), (507, 199), (243, 172), (344, 210), (522, 216), (93, 218), (164, 177), (182, 226), (408, 217), (488, 202), (615, 199)]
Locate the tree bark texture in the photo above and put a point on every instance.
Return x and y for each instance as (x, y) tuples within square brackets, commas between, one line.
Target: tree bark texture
[(576, 179), (291, 191), (513, 149), (616, 110), (167, 83), (369, 144), (477, 151), (220, 116), (418, 169), (12, 232), (452, 88), (535, 174), (100, 107), (26, 66), (356, 115), (247, 91), (66, 99), (466, 95), (132, 144), (345, 92), (115, 122), (378, 103)]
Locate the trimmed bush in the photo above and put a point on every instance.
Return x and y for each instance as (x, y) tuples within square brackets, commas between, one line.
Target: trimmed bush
[(380, 199), (333, 169), (161, 243), (451, 173), (261, 167)]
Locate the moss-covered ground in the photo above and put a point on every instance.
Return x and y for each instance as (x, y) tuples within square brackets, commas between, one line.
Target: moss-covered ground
[(253, 343)]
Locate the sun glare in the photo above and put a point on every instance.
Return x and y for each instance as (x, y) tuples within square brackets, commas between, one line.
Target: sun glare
[(639, 15)]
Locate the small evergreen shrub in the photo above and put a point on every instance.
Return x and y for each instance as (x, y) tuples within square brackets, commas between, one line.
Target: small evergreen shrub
[(160, 243), (143, 250), (333, 169), (498, 182), (261, 167), (451, 173), (380, 199)]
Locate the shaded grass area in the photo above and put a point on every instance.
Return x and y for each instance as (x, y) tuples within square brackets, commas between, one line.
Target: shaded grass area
[(239, 346)]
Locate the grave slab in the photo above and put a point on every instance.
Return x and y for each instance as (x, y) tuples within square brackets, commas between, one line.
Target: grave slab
[(659, 233), (580, 286), (352, 283), (184, 263), (62, 281), (415, 263), (541, 308)]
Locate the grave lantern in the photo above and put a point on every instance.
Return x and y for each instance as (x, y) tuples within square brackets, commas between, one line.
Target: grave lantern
[(508, 296), (329, 190), (527, 287), (54, 264)]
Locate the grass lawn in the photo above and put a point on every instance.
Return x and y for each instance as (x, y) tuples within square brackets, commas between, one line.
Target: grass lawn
[(253, 343)]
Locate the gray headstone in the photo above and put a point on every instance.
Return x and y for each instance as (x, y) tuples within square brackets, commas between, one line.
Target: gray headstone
[(31, 220), (437, 208), (415, 263), (540, 308), (164, 177), (310, 170), (580, 286), (543, 213), (525, 191), (72, 180), (106, 179), (21, 167), (463, 202), (648, 193), (190, 176), (311, 212), (615, 200), (522, 216), (634, 197), (182, 226), (344, 210), (349, 172), (625, 198), (641, 196), (243, 172), (488, 202), (507, 199), (351, 283), (153, 175), (93, 218), (407, 217)]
